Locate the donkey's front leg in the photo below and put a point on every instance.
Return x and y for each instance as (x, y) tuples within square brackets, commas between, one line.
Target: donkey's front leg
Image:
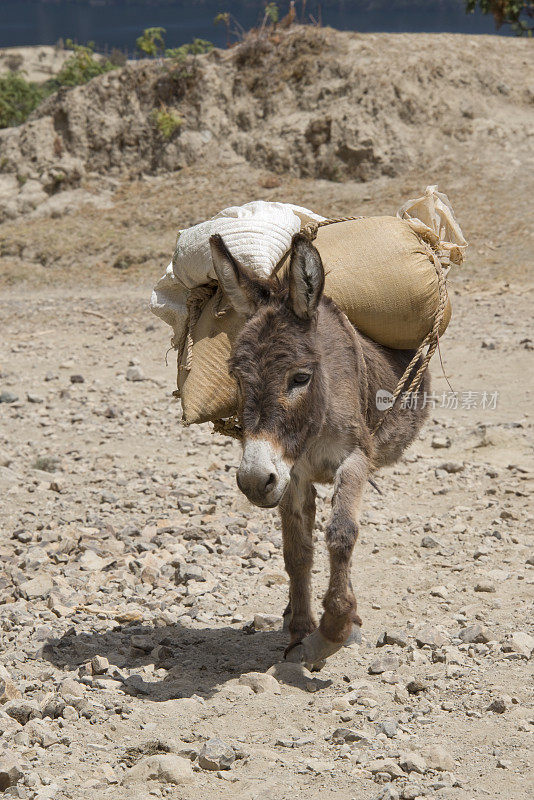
[(297, 510), (340, 623)]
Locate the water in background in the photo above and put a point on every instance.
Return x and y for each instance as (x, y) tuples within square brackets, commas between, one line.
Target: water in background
[(30, 22)]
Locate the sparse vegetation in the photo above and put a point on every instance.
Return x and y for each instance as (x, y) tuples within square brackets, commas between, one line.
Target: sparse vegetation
[(151, 42), (80, 67), (195, 48), (18, 98), (166, 121), (515, 13), (271, 13)]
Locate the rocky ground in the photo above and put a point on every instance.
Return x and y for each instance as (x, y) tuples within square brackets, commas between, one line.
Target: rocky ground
[(141, 595)]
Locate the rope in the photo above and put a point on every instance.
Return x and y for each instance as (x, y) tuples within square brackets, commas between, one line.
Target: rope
[(200, 295), (431, 340)]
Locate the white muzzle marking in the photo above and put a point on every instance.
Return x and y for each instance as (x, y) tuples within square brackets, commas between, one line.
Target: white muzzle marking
[(263, 474)]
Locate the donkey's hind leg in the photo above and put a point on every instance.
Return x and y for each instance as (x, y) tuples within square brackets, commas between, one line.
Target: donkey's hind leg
[(340, 623), (297, 510)]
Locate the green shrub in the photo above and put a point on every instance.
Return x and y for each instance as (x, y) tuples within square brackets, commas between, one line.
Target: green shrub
[(151, 42), (271, 13), (194, 48), (80, 67), (18, 98), (167, 122)]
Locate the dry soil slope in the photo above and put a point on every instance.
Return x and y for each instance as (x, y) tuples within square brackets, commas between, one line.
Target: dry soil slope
[(314, 103)]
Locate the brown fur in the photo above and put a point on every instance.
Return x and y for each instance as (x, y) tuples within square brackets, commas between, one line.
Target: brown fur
[(324, 428)]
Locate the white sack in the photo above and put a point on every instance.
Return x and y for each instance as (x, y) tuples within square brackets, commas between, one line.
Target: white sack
[(257, 234)]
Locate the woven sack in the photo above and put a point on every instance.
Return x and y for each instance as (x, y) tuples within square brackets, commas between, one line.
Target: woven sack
[(378, 271)]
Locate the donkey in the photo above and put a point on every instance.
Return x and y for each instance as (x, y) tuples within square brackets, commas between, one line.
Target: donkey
[(308, 383)]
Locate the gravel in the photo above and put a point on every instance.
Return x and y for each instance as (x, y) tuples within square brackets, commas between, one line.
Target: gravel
[(141, 598)]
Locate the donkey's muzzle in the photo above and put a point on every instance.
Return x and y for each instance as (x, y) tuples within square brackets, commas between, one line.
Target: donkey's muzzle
[(263, 474)]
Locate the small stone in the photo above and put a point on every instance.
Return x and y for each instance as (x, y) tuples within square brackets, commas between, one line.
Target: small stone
[(485, 586), (413, 762), (386, 766), (388, 792), (22, 710), (502, 764), (267, 622), (34, 398), (430, 541), (439, 759), (349, 735), (164, 768), (499, 705), (91, 561), (431, 637), (37, 588), (389, 727), (393, 637), (260, 682), (452, 466), (401, 696), (8, 690), (10, 771), (440, 591), (383, 664), (99, 664), (77, 379), (475, 634), (71, 688), (416, 686), (134, 374), (140, 642), (70, 713), (440, 442), (519, 642), (187, 572), (216, 754), (8, 397)]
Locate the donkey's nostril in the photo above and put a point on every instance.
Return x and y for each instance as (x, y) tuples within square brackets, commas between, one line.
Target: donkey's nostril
[(270, 483)]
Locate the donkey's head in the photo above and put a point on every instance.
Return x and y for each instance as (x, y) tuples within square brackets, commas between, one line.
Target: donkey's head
[(276, 364)]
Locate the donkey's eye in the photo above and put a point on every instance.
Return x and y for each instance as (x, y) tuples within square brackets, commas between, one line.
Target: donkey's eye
[(299, 379)]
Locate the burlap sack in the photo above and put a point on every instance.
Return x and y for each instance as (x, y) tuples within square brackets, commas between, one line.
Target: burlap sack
[(378, 271)]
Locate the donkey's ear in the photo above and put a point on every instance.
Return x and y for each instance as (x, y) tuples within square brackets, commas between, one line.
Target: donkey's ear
[(242, 288), (306, 277)]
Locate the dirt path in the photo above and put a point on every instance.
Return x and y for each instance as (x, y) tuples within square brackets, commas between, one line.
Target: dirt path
[(107, 501)]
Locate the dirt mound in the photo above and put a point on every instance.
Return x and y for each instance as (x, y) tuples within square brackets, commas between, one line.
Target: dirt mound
[(313, 103)]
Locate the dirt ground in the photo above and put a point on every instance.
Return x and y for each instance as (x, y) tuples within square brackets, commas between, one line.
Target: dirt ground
[(139, 588)]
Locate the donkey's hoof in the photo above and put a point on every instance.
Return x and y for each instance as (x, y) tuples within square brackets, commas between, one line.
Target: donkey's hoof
[(312, 651), (355, 636), (315, 648)]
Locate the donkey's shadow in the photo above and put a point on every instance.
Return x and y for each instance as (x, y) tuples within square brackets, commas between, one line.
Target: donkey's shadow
[(196, 660)]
